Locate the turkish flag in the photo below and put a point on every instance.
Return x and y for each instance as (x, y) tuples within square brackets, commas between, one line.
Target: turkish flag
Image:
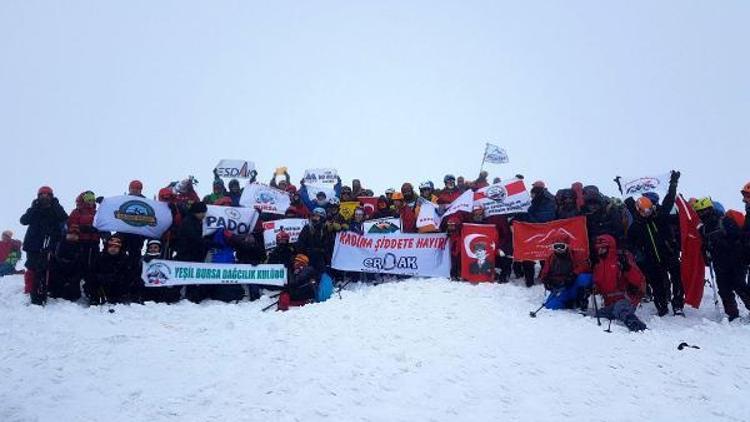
[(533, 241), (478, 251), (692, 265), (370, 204)]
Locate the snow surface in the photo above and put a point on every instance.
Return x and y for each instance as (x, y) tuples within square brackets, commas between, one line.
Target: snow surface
[(417, 350)]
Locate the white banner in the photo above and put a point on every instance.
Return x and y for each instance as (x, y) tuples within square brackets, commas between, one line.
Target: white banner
[(134, 215), (464, 203), (495, 155), (234, 169), (637, 186), (382, 226), (265, 199), (504, 198), (161, 273), (321, 180), (238, 220), (293, 226), (425, 255), (427, 218)]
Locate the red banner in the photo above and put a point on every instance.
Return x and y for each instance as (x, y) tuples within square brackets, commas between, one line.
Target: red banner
[(533, 241), (370, 204), (478, 251), (692, 266)]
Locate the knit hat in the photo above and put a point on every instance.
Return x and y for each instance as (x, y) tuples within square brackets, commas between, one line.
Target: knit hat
[(45, 190), (301, 259), (135, 185), (320, 212)]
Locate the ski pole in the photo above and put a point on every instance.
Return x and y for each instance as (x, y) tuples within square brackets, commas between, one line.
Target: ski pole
[(608, 330)]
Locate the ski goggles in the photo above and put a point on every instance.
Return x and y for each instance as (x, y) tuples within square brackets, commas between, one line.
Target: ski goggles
[(560, 247)]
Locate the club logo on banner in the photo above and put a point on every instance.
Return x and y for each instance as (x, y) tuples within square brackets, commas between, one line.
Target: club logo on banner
[(369, 204), (234, 169), (346, 209), (478, 251), (426, 255), (637, 186), (292, 226), (265, 199), (382, 226), (321, 180), (134, 215), (238, 220), (504, 198), (495, 155), (533, 241), (161, 273)]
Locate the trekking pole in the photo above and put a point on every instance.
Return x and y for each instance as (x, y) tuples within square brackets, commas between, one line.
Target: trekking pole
[(270, 306), (608, 330), (713, 287), (342, 288), (596, 311), (533, 313)]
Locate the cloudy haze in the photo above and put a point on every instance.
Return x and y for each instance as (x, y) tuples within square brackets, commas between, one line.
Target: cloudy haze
[(94, 94)]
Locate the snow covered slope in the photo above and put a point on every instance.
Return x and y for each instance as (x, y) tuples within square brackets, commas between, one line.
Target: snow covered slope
[(418, 350)]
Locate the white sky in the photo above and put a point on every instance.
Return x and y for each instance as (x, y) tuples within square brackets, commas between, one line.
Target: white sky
[(94, 94)]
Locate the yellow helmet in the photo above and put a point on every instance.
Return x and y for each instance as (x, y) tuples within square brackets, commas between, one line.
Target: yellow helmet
[(703, 204)]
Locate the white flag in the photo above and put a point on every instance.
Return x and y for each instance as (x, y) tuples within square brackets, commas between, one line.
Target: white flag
[(495, 155)]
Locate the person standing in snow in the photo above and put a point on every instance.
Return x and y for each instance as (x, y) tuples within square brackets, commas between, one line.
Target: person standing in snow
[(723, 250), (541, 210), (652, 241), (191, 246), (450, 193), (10, 254), (45, 219), (314, 240)]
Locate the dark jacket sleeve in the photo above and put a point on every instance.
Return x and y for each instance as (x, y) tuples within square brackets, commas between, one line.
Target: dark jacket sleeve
[(30, 216), (668, 203)]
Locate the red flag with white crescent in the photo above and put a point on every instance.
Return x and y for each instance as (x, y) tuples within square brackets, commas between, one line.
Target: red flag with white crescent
[(478, 252)]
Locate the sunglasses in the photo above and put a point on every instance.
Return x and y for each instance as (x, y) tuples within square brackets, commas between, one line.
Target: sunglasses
[(560, 247)]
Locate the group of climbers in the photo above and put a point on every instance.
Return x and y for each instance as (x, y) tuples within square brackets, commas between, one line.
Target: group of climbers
[(634, 245)]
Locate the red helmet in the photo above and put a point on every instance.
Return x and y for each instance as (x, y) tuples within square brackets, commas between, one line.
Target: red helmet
[(746, 189)]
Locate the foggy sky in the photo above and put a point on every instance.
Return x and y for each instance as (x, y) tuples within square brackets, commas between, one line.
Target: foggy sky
[(94, 94)]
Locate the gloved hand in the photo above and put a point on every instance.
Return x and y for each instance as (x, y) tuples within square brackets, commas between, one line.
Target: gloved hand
[(674, 177), (519, 176), (623, 260)]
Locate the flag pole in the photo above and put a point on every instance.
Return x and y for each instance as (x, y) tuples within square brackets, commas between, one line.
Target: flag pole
[(484, 156)]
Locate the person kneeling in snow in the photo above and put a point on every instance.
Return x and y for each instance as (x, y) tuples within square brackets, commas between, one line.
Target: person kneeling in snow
[(620, 282), (565, 276), (302, 285)]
